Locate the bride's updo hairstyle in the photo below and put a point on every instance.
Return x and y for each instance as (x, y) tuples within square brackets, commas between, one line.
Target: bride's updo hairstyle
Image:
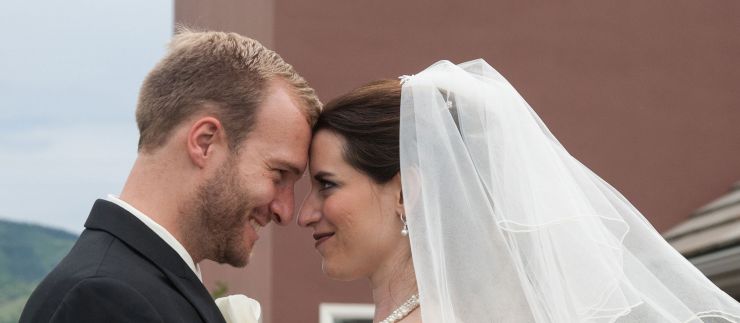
[(368, 119)]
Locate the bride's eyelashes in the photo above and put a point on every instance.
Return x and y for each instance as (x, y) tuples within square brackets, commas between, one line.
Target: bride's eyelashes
[(325, 185)]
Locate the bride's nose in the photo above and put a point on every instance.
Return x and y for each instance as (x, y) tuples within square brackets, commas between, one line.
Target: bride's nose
[(310, 211)]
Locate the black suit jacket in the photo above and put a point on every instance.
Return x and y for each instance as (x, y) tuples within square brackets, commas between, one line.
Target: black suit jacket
[(120, 271)]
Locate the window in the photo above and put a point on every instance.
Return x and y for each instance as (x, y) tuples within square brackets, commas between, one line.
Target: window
[(346, 313)]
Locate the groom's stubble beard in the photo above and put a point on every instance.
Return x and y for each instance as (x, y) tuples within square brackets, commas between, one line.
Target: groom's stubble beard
[(217, 217)]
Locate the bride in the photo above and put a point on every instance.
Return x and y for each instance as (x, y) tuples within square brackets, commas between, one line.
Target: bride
[(448, 193)]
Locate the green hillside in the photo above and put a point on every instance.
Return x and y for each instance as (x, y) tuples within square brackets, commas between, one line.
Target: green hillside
[(27, 253)]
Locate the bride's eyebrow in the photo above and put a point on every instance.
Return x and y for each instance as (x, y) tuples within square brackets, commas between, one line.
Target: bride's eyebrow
[(321, 175)]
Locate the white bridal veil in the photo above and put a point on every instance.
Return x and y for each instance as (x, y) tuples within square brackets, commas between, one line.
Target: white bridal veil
[(506, 226)]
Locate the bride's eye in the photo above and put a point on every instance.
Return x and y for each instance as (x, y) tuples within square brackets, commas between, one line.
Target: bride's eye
[(325, 185)]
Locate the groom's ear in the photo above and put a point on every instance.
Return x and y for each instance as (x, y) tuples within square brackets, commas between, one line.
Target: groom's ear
[(204, 138)]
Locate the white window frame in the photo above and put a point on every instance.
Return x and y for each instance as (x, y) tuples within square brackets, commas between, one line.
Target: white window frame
[(328, 312)]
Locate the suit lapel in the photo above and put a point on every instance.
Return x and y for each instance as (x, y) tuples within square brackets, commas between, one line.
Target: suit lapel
[(109, 217), (198, 295)]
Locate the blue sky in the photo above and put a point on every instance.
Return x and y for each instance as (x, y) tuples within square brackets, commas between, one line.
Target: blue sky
[(69, 78)]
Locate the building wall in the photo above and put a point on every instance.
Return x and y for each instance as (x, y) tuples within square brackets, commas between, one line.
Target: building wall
[(643, 93), (255, 18)]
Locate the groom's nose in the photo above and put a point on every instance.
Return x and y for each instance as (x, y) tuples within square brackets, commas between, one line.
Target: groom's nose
[(282, 206)]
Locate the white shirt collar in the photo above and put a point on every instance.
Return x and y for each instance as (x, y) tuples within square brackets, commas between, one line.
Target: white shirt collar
[(160, 231)]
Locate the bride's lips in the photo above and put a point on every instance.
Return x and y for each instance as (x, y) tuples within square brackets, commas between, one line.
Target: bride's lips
[(321, 237)]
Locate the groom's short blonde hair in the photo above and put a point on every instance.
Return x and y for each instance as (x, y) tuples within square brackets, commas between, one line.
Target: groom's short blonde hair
[(225, 74)]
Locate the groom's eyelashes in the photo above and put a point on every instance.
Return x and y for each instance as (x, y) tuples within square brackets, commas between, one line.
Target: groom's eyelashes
[(279, 175)]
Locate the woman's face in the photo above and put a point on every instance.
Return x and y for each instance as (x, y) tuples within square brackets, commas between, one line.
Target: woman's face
[(355, 221)]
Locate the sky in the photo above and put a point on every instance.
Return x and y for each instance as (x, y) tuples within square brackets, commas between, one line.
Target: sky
[(69, 78)]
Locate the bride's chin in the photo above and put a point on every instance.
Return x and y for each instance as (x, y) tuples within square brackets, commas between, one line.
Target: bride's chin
[(337, 273)]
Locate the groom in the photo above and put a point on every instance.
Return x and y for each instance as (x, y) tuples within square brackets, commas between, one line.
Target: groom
[(225, 126)]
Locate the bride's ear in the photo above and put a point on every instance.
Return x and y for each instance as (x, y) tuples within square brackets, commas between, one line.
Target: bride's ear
[(409, 193), (398, 190)]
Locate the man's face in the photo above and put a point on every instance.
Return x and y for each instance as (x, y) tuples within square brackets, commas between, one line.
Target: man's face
[(256, 185)]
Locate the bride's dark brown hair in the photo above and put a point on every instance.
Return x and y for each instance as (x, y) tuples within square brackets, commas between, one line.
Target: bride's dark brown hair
[(368, 119)]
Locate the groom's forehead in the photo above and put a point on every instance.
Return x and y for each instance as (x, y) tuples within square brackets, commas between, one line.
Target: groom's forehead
[(283, 146), (280, 101), (278, 117)]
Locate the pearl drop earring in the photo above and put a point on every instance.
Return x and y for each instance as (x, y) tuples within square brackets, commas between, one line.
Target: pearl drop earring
[(405, 230)]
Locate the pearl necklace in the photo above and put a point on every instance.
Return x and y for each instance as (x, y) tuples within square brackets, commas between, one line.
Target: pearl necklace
[(402, 311)]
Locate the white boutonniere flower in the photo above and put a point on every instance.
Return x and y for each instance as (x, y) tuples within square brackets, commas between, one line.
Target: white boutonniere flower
[(239, 309)]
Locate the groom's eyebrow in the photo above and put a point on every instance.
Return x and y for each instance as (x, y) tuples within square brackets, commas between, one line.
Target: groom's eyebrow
[(290, 167)]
